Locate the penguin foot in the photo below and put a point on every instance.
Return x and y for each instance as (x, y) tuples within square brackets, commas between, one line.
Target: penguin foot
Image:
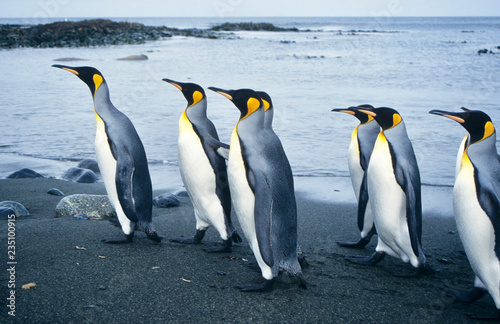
[(424, 269), (154, 237), (226, 247), (464, 295), (258, 287), (119, 240), (303, 262), (355, 245), (371, 260), (485, 317), (196, 239)]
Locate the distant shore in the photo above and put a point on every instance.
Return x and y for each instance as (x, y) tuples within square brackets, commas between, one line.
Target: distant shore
[(79, 279), (100, 32)]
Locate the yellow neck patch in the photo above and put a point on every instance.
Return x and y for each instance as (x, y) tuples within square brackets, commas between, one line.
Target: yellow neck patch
[(396, 119), (197, 96), (489, 129), (97, 81), (252, 105)]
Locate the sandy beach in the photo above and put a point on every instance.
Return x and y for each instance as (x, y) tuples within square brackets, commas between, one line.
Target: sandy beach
[(81, 280)]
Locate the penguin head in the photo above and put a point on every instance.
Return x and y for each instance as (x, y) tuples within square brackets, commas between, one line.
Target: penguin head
[(91, 76), (386, 117), (246, 100), (354, 110), (477, 123), (193, 92)]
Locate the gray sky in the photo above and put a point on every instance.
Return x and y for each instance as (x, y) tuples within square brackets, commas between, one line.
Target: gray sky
[(241, 8)]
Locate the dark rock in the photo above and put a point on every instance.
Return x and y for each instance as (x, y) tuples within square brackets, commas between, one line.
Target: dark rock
[(92, 206), (250, 26), (55, 192), (24, 173), (80, 175), (166, 201), (90, 164), (6, 212), (18, 209)]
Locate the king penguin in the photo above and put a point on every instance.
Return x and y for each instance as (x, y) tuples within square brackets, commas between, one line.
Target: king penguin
[(363, 139), (395, 194), (260, 181), (203, 169), (268, 126), (476, 204), (121, 159)]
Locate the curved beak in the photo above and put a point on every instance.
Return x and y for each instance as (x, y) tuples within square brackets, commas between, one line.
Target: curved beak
[(451, 115), (67, 68), (174, 83), (344, 110), (225, 93)]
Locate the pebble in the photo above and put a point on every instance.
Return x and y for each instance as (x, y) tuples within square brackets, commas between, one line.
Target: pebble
[(55, 192), (5, 212), (166, 201), (18, 208)]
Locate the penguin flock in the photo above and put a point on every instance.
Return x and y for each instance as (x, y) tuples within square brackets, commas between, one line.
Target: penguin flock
[(253, 176)]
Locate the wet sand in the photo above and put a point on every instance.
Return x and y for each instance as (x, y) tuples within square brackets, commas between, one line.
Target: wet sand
[(175, 283)]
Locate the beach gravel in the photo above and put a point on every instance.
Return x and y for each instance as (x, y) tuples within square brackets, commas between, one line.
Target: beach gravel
[(79, 279)]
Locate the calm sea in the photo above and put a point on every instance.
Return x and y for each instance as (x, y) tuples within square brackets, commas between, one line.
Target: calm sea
[(410, 64)]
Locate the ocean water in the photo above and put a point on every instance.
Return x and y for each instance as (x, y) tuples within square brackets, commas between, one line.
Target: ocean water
[(410, 64)]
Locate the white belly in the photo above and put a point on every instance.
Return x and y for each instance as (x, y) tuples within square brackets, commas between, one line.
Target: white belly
[(107, 167), (388, 204), (243, 200), (476, 231), (200, 181)]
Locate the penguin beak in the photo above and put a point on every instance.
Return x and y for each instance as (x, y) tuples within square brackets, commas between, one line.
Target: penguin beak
[(174, 83), (344, 110), (67, 68), (450, 115), (223, 92)]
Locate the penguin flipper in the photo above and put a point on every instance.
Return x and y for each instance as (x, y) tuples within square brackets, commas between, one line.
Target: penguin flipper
[(220, 148), (262, 211), (124, 176), (362, 202), (410, 184), (490, 203)]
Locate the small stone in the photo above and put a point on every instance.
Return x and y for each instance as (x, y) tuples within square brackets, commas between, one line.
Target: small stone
[(18, 209), (221, 273), (93, 206), (55, 192), (102, 287), (166, 201), (90, 164), (24, 173), (7, 213)]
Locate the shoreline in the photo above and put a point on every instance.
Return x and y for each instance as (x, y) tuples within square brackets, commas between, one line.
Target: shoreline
[(172, 282)]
